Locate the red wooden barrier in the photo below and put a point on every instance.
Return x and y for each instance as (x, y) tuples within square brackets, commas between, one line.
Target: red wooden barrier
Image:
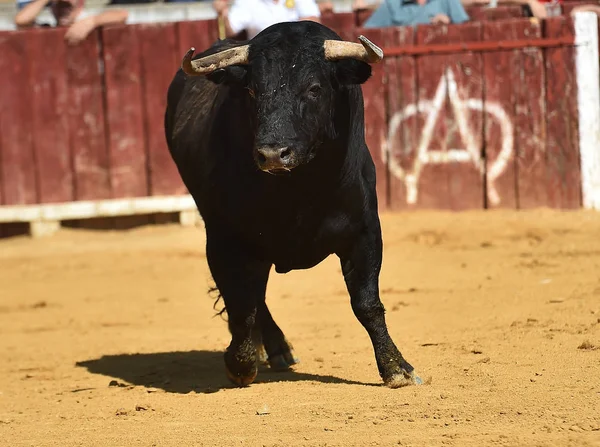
[(515, 80), (160, 57), (375, 94), (454, 130), (340, 22), (503, 152), (451, 171), (16, 121), (403, 131), (87, 129), (199, 34), (478, 13), (562, 169), (48, 79), (127, 154)]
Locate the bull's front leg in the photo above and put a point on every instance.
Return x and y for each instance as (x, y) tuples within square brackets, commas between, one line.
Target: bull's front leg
[(242, 282), (361, 265)]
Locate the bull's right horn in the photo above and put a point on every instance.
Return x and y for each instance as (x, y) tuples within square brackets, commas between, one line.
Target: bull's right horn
[(365, 51), (208, 64)]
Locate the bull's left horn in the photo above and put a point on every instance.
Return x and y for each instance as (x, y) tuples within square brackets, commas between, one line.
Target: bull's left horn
[(365, 51), (208, 64)]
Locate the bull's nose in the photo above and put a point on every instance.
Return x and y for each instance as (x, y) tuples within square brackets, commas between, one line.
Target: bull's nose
[(273, 158)]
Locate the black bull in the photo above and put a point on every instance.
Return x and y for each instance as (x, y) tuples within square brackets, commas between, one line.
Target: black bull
[(268, 137)]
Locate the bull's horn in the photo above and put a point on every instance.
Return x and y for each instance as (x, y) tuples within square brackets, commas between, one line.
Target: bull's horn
[(365, 51), (208, 64)]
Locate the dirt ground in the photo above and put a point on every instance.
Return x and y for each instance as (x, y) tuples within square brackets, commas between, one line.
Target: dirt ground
[(499, 312)]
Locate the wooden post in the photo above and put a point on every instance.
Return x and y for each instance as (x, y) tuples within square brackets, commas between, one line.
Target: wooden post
[(588, 103)]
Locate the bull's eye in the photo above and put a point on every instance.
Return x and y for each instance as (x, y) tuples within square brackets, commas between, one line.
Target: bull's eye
[(250, 92), (314, 92)]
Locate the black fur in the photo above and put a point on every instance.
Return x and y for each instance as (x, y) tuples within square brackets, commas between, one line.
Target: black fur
[(288, 95)]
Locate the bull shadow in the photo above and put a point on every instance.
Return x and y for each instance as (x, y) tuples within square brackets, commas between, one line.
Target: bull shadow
[(189, 371)]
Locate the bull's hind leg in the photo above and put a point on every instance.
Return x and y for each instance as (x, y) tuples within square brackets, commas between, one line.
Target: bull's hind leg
[(242, 282), (279, 352), (361, 265)]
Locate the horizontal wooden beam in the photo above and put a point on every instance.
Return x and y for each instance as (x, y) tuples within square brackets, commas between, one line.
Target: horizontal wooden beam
[(503, 45), (96, 208)]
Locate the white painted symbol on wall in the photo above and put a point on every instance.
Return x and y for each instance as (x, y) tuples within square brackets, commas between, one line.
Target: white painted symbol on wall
[(470, 154)]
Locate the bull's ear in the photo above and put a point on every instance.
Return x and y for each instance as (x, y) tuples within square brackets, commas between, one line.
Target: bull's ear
[(236, 74), (352, 72)]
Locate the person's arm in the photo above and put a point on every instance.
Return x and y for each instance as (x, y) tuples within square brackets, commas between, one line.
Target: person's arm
[(26, 16), (82, 28), (537, 9)]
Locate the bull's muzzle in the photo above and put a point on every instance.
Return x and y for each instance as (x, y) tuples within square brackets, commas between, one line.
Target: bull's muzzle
[(275, 160)]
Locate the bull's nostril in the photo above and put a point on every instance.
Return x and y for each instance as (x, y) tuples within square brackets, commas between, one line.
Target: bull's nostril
[(285, 154), (261, 158)]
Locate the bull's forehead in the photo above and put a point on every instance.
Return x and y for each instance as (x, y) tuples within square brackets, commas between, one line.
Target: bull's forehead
[(294, 61)]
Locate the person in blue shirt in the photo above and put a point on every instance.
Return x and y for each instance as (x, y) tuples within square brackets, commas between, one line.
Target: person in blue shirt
[(416, 12)]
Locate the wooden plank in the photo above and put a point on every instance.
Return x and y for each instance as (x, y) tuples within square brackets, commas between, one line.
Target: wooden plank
[(479, 13), (428, 187), (339, 22), (588, 103), (124, 113), (159, 42), (48, 81), (530, 123), (403, 131), (451, 175), (501, 177), (200, 34), (374, 95), (362, 16), (569, 6), (466, 179), (16, 121), (515, 130), (562, 152), (86, 120)]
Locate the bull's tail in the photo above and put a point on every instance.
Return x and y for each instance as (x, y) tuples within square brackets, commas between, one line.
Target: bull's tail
[(212, 292)]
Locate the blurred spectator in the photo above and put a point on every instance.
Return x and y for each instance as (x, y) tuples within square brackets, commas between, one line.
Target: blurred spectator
[(414, 12), (69, 13), (253, 16)]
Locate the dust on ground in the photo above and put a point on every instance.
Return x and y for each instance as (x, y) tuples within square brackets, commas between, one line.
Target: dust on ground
[(108, 338)]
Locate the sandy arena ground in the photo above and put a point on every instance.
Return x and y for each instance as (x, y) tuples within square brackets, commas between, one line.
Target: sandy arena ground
[(498, 311)]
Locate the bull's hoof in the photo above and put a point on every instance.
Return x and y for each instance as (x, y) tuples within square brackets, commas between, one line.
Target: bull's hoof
[(261, 355), (240, 364), (403, 379), (283, 362), (241, 379)]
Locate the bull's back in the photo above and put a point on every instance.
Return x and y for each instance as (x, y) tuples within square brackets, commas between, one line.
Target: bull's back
[(187, 127)]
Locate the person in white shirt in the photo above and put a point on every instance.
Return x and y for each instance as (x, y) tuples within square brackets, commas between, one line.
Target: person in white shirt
[(256, 15)]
